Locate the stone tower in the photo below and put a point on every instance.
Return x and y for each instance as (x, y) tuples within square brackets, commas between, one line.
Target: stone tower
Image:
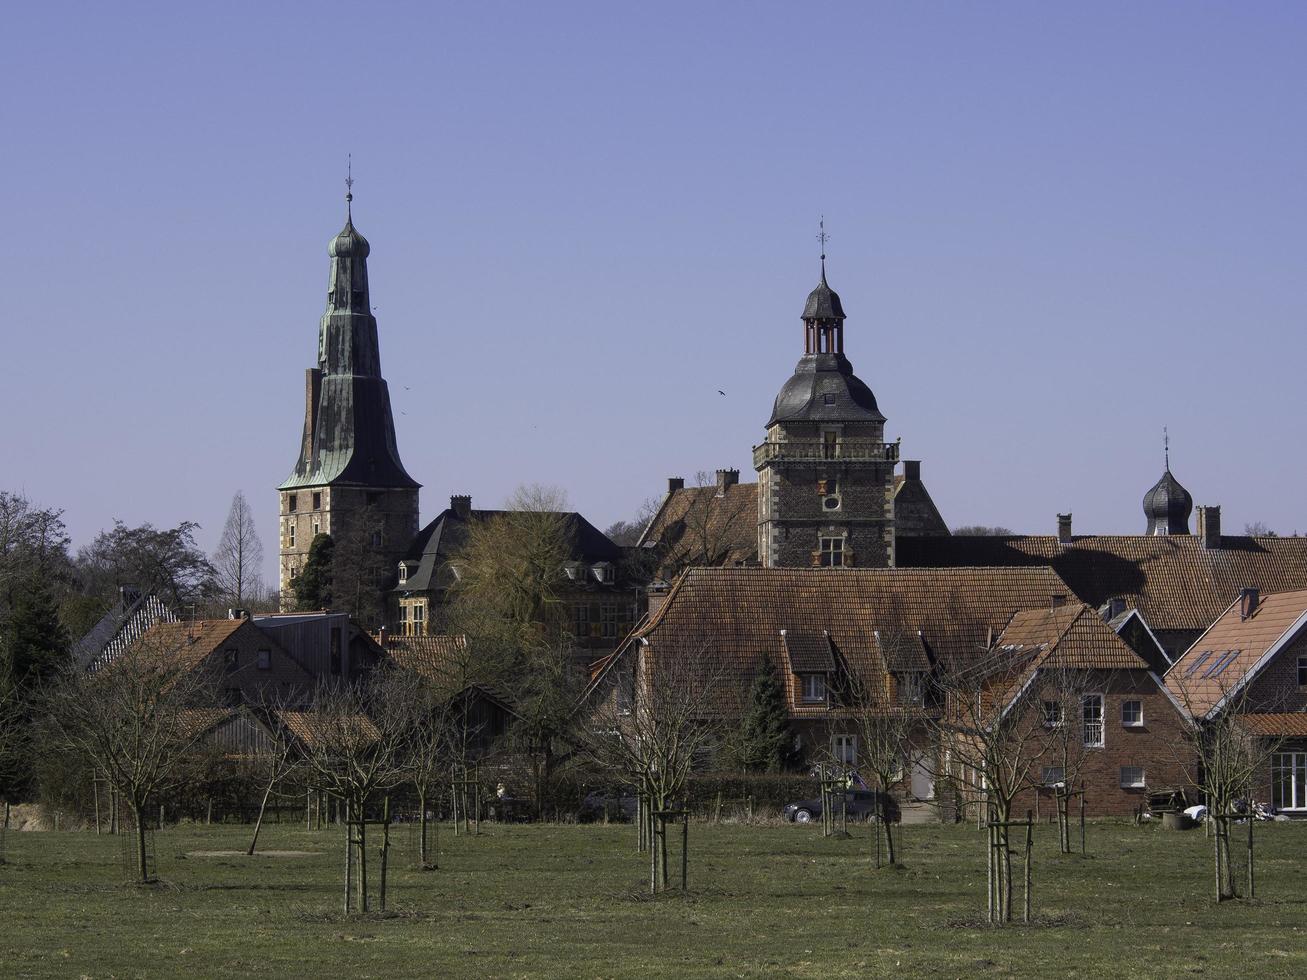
[(825, 473), (348, 481)]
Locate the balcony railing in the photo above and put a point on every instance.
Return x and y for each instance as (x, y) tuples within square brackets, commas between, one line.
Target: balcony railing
[(848, 450)]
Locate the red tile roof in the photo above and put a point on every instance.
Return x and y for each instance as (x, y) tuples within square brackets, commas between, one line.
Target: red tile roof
[(1220, 660), (699, 526), (1292, 724), (1174, 581)]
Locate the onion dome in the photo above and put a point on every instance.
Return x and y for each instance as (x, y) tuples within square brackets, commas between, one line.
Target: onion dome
[(1167, 506), (823, 302), (349, 244)]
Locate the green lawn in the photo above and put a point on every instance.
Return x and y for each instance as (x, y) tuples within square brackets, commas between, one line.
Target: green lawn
[(569, 901)]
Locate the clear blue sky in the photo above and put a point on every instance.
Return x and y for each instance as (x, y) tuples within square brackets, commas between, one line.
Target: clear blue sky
[(1055, 229)]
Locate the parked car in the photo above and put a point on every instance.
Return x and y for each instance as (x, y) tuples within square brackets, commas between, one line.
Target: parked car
[(860, 804), (617, 804)]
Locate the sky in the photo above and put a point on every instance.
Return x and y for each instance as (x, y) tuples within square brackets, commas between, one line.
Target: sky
[(1056, 229)]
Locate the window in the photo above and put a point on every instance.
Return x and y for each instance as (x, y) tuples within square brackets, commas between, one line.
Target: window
[(844, 748), (603, 572), (376, 539), (832, 553), (1132, 714), (292, 501), (1054, 775), (911, 686), (1052, 714), (403, 573), (830, 444), (581, 618), (1093, 718), (290, 534), (1132, 777), (317, 500), (828, 398), (814, 687), (265, 660), (608, 618), (1289, 780), (1302, 671), (317, 528), (1202, 659)]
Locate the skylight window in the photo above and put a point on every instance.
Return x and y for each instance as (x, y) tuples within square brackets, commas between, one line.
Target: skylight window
[(1202, 659), (1225, 661)]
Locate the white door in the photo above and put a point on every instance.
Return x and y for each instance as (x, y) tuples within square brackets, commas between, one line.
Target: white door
[(923, 783)]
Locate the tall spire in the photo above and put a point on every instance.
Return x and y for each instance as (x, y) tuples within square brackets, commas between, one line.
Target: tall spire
[(1166, 448), (823, 238)]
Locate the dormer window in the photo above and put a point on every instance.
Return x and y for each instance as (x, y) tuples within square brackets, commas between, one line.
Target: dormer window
[(813, 688), (572, 570), (603, 572), (911, 687)]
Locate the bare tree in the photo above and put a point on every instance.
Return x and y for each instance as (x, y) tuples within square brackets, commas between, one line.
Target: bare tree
[(712, 524), (991, 741), (1223, 760), (274, 761), (1062, 692), (352, 743), (434, 734), (133, 720), (240, 554), (888, 711), (660, 718)]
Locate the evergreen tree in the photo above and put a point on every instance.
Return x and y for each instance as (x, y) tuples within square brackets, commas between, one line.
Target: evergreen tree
[(765, 740), (35, 644), (313, 587)]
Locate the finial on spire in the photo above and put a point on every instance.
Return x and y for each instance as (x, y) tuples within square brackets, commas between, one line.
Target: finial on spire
[(349, 186), (1166, 448), (823, 238)]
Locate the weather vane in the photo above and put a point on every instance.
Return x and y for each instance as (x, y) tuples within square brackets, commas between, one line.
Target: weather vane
[(1166, 447), (822, 236), (349, 183)]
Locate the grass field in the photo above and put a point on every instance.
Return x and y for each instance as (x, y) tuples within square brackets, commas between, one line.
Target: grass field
[(569, 901)]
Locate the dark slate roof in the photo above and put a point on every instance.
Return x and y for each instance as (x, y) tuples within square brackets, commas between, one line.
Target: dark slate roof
[(349, 243), (1173, 581), (1167, 507), (808, 652), (441, 540), (803, 397), (823, 302), (131, 616)]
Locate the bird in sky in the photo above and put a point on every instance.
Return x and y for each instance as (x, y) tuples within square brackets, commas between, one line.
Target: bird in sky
[(720, 392)]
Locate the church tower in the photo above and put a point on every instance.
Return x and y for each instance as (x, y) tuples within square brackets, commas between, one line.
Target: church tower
[(825, 473), (348, 481), (1167, 505)]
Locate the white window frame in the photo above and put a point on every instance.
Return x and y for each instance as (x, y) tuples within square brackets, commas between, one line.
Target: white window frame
[(1139, 783), (812, 688), (1139, 721), (1294, 766), (1085, 722), (835, 551), (403, 573), (1052, 775), (844, 749), (290, 534)]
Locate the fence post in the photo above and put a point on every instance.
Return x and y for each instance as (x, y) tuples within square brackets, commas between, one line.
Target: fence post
[(685, 851), (349, 858), (1252, 890), (1082, 819), (1030, 844), (385, 848)]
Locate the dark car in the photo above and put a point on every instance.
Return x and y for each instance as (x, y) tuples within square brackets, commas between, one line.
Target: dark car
[(860, 804), (617, 804)]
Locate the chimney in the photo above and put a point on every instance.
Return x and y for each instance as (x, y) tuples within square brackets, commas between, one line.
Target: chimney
[(656, 595), (461, 504), (1248, 601), (1209, 526), (675, 483), (1057, 600), (1064, 528), (238, 614), (726, 478), (1115, 607), (912, 469)]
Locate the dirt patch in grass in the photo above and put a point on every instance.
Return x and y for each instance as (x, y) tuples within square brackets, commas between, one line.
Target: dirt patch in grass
[(265, 854)]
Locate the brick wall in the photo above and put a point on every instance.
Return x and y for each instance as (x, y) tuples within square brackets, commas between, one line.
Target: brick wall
[(1276, 687)]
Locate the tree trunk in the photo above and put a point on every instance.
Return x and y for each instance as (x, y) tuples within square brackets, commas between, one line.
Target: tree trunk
[(363, 858), (422, 829), (138, 811), (258, 821), (889, 833)]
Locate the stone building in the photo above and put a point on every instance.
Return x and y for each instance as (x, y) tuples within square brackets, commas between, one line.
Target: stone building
[(825, 472), (348, 481)]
